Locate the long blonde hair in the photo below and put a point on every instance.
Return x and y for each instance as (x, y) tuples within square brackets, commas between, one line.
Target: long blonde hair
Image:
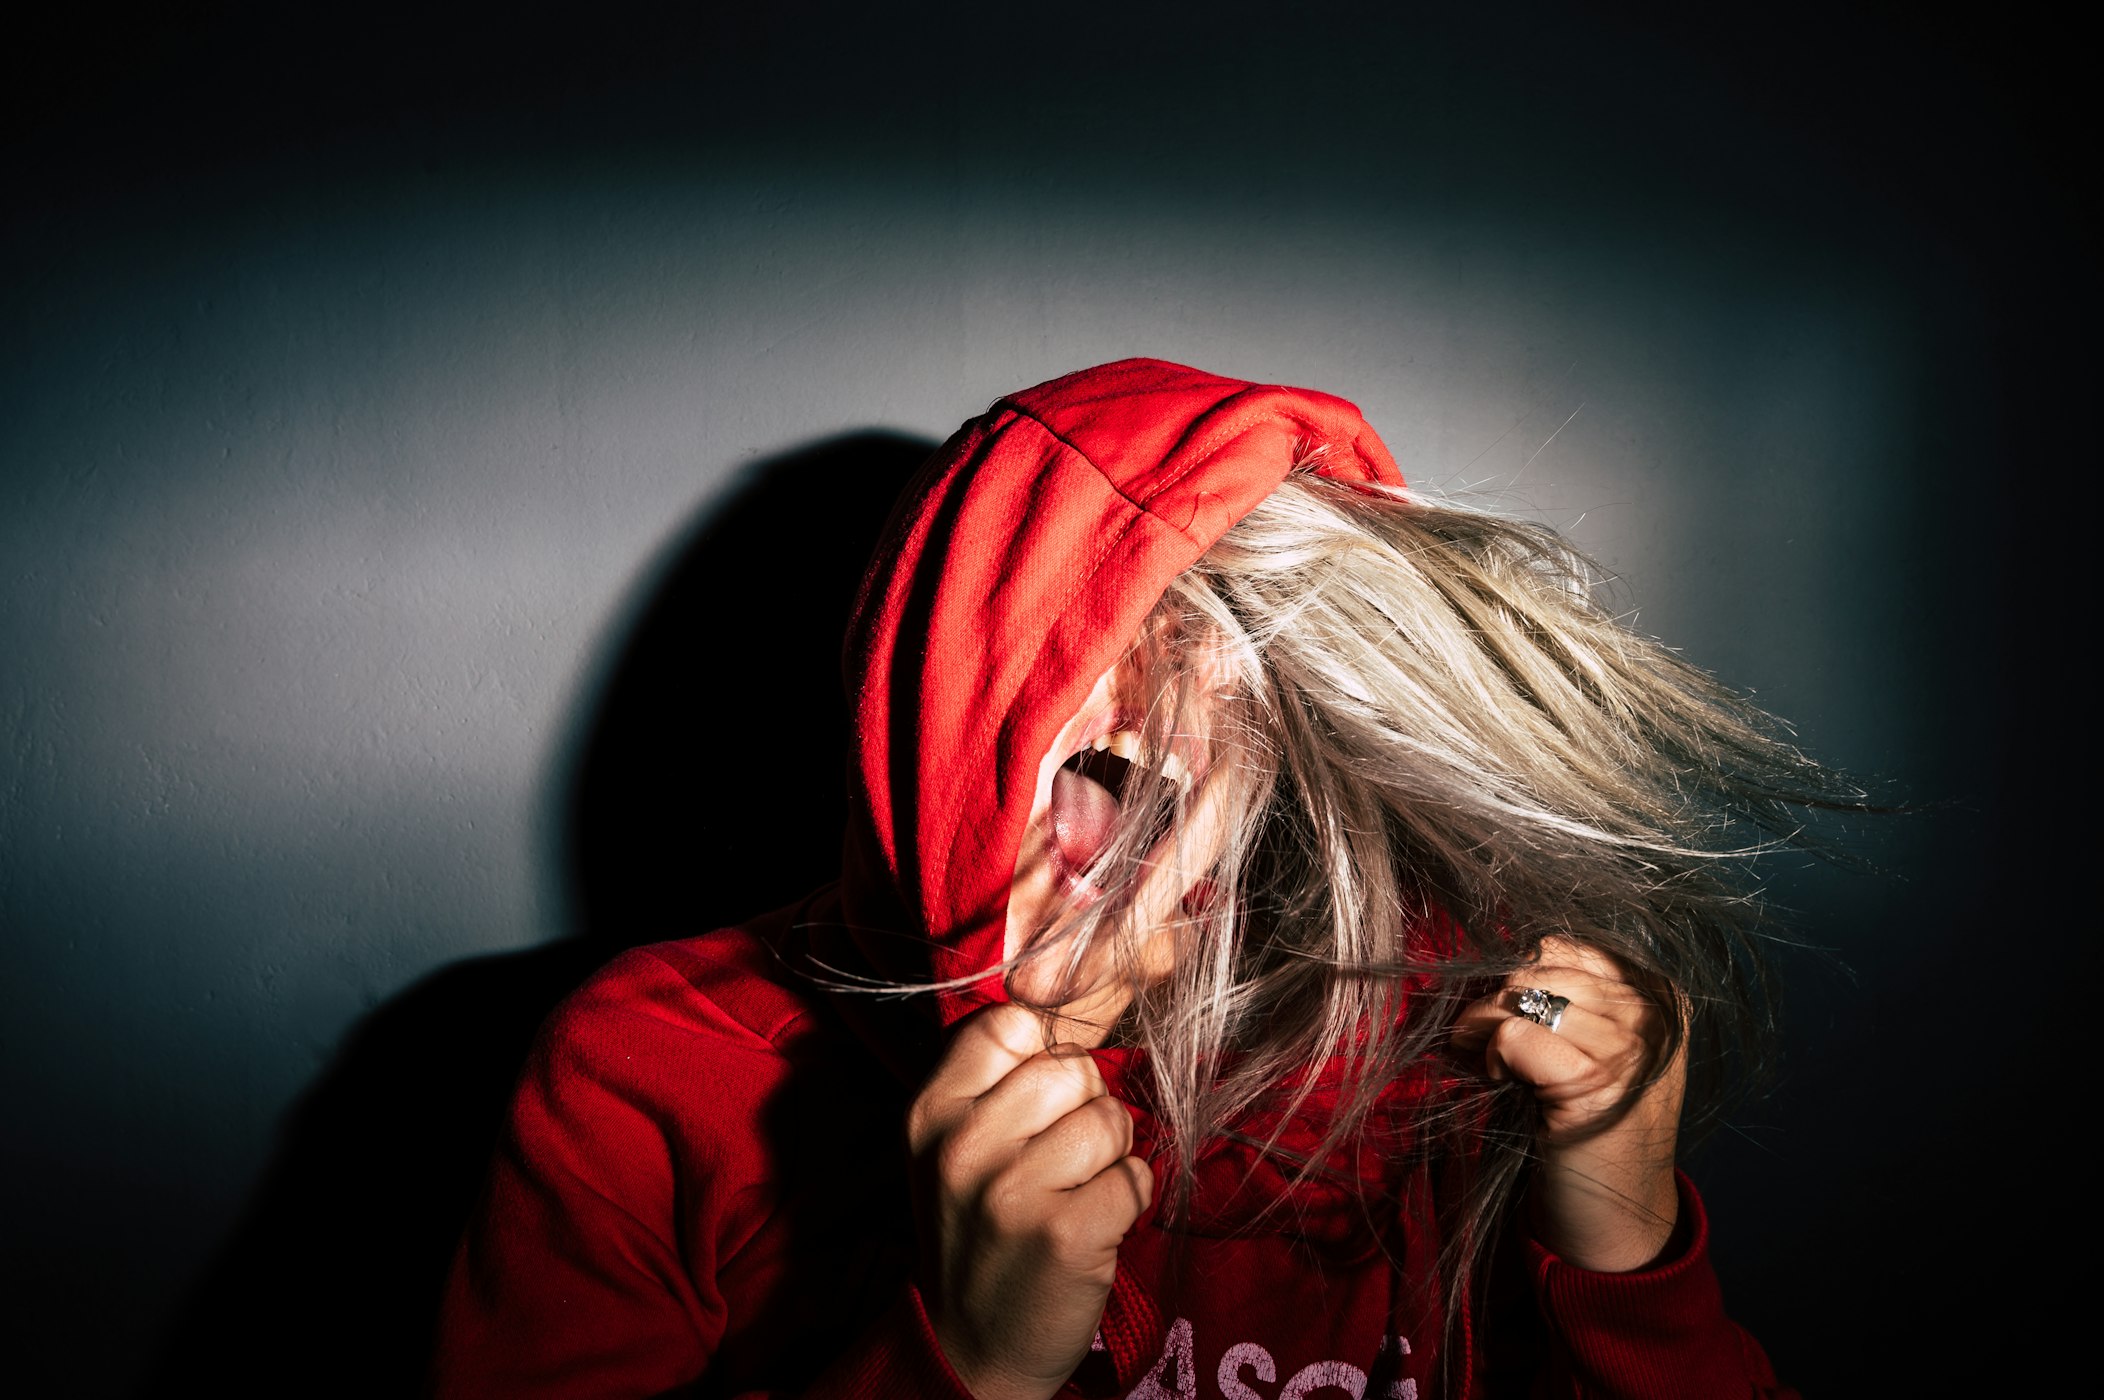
[(1427, 746)]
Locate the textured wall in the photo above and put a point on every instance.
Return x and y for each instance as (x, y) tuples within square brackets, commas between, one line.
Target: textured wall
[(431, 459)]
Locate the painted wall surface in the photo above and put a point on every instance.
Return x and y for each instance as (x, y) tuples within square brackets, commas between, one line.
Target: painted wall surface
[(432, 463)]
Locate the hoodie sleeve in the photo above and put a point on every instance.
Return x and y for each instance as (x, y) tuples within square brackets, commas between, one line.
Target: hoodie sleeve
[(1657, 1334), (621, 1246)]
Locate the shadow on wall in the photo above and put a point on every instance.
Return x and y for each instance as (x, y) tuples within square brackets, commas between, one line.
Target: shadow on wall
[(709, 785)]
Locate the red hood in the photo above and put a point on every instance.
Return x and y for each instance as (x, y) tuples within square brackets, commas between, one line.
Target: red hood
[(1019, 568), (1016, 571)]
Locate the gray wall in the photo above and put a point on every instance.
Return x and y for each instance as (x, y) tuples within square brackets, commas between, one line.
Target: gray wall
[(366, 390)]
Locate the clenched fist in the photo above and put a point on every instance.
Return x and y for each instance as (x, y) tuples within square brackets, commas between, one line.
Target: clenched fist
[(1604, 1197), (1026, 1187)]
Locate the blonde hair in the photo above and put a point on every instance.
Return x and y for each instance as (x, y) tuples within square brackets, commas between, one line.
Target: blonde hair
[(1426, 746)]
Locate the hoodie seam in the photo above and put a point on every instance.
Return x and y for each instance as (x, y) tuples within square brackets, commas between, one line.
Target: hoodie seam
[(1202, 450), (1206, 447), (1068, 443)]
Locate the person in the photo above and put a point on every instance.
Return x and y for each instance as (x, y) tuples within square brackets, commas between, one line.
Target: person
[(1284, 924)]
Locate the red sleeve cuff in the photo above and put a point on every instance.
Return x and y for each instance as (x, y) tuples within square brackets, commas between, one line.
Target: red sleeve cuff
[(1658, 1333)]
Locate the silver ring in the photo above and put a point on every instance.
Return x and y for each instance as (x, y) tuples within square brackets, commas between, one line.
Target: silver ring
[(1543, 1007)]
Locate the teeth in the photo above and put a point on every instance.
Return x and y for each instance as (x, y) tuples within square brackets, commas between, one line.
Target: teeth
[(1126, 745)]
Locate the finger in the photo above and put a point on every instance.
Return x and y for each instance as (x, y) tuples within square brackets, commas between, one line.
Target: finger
[(986, 1046), (1082, 1227), (1520, 1049), (1034, 1095), (1586, 974), (1588, 979), (1472, 1028), (1614, 1001), (983, 1050), (1082, 1144), (1579, 983), (1622, 1043), (1581, 1021), (1115, 1197), (1620, 1031), (1565, 1073)]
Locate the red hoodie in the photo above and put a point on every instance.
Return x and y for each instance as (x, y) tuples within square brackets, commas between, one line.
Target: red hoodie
[(702, 1186)]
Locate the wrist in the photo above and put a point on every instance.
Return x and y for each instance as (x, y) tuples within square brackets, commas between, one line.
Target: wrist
[(1604, 1221), (984, 1378)]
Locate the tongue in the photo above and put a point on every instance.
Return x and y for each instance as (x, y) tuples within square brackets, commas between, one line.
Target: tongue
[(1082, 812)]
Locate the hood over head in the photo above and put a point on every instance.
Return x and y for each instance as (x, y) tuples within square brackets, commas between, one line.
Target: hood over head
[(1019, 567)]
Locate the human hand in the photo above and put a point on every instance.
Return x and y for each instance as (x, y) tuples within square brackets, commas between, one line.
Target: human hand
[(1604, 1197), (1027, 1190)]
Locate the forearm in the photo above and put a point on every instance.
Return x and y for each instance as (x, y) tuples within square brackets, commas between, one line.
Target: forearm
[(1658, 1332), (1608, 1205)]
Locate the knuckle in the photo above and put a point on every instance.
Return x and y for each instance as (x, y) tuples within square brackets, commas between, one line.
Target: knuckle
[(920, 1123), (1135, 1180), (1029, 1091), (1142, 1178), (1082, 1065), (1073, 1066), (1053, 1081), (955, 1159), (1114, 1124), (1005, 1204), (1072, 1237), (1510, 1034), (1089, 1139)]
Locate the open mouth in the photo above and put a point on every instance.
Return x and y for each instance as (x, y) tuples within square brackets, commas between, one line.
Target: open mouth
[(1089, 790)]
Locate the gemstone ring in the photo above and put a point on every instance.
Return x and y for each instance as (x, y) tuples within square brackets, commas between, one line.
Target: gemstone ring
[(1542, 1006)]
